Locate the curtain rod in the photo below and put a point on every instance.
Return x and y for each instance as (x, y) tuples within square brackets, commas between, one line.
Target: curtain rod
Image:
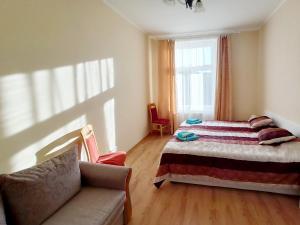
[(191, 35), (194, 35)]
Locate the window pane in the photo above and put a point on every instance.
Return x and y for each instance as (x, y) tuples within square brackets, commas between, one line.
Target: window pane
[(195, 63), (208, 57), (196, 92)]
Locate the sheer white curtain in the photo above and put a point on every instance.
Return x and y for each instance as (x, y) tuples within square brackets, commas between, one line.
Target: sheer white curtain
[(195, 65)]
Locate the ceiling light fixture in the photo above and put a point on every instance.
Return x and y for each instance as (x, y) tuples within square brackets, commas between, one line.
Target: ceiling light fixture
[(196, 5)]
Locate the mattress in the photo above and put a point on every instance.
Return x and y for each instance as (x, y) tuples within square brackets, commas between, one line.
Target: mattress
[(228, 155)]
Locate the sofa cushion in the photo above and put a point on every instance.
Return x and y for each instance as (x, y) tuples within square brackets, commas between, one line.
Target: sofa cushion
[(32, 195), (119, 220), (93, 206)]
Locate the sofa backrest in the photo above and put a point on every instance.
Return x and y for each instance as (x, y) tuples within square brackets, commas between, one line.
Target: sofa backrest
[(32, 195)]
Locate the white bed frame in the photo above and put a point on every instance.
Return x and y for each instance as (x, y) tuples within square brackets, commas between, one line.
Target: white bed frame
[(210, 181), (284, 123)]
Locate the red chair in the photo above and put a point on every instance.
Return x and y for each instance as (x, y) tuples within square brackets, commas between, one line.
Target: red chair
[(90, 144), (158, 124)]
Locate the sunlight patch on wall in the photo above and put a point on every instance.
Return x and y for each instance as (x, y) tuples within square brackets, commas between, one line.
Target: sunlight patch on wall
[(88, 80), (16, 104), (62, 88), (27, 157), (107, 73), (43, 94), (30, 98), (110, 124)]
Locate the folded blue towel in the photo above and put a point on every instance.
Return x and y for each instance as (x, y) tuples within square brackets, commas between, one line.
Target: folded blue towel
[(193, 121), (185, 134), (189, 137)]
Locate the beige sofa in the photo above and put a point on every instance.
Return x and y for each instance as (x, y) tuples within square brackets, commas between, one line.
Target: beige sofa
[(64, 191)]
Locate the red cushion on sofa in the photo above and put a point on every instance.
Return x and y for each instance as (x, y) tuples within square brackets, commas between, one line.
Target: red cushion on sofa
[(115, 158), (92, 148)]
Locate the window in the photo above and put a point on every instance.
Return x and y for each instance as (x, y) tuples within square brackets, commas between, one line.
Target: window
[(195, 63)]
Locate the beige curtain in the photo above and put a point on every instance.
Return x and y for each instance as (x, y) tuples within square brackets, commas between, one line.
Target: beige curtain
[(223, 107), (166, 81)]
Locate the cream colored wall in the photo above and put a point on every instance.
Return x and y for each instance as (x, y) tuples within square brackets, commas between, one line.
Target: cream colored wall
[(244, 48), (64, 64), (279, 63)]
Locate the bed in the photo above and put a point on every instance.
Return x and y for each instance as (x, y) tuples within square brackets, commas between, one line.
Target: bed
[(228, 155)]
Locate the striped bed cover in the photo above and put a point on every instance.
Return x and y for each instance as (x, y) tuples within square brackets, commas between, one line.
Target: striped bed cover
[(228, 155)]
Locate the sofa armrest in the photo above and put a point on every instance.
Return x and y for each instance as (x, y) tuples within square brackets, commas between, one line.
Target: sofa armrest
[(103, 175)]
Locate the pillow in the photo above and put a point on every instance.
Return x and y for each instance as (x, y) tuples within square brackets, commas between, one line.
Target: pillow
[(271, 136), (32, 195), (252, 117), (260, 121)]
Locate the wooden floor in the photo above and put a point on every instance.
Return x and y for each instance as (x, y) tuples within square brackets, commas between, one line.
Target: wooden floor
[(185, 204)]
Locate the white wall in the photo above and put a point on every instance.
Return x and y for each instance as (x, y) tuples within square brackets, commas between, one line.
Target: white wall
[(64, 64), (279, 63)]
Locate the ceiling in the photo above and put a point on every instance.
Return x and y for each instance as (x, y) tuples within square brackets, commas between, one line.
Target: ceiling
[(158, 18)]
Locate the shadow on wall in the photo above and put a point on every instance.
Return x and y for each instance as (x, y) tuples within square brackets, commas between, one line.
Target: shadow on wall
[(40, 106)]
